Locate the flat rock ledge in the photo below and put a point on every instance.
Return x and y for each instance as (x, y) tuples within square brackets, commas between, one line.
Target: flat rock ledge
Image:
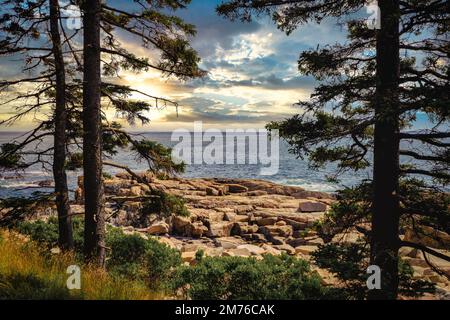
[(234, 217)]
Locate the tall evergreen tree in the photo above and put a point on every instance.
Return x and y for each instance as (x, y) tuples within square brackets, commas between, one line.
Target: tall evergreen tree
[(23, 23), (372, 88), (59, 137), (164, 33), (94, 217), (386, 167)]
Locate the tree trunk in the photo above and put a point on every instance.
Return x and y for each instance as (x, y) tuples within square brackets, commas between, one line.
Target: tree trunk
[(94, 236), (385, 210), (59, 154)]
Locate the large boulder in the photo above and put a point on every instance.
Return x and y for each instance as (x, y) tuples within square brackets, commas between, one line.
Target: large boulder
[(196, 229), (179, 224), (271, 250), (310, 206), (273, 231), (286, 248), (296, 242), (212, 191), (429, 237), (170, 242), (304, 194), (228, 242), (112, 186), (236, 188), (193, 247), (136, 191), (276, 240), (237, 252), (254, 250), (241, 228), (220, 229), (254, 237), (296, 224), (267, 221), (305, 250), (157, 228)]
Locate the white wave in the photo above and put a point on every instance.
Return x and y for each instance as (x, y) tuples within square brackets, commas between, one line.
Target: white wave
[(17, 185), (308, 185)]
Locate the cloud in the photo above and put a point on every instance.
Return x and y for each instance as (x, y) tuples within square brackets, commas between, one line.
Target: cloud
[(252, 70), (214, 31), (216, 109)]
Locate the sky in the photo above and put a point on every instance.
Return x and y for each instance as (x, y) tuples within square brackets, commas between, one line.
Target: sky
[(252, 73)]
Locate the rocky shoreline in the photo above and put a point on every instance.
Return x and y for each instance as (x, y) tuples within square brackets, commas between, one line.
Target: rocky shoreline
[(235, 217)]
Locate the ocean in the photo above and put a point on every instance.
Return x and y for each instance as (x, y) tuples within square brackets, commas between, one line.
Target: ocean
[(291, 170)]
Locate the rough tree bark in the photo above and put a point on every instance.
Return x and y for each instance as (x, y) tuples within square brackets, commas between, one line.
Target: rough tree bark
[(60, 122), (385, 211), (94, 236)]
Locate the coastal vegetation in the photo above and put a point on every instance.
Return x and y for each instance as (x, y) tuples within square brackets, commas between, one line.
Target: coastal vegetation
[(139, 268), (150, 235), (371, 88)]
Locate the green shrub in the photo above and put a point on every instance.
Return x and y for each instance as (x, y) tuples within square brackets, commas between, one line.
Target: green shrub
[(135, 257), (165, 205), (235, 278), (127, 255), (161, 261), (19, 287), (41, 231), (46, 232), (78, 234), (107, 175), (349, 262)]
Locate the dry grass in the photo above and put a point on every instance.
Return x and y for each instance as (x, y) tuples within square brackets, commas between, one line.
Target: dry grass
[(30, 272)]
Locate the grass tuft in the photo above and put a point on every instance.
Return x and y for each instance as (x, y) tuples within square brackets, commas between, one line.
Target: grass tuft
[(28, 271)]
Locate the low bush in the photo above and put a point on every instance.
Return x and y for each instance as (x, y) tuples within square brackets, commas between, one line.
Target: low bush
[(46, 232), (127, 254), (156, 266), (273, 277), (41, 231), (349, 263), (161, 261), (165, 205), (138, 258)]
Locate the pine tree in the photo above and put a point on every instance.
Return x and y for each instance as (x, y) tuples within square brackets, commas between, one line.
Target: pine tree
[(23, 23), (59, 138), (94, 217), (371, 90), (164, 33), (170, 36)]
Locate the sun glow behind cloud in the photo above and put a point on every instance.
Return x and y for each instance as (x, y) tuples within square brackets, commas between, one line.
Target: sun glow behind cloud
[(252, 74)]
